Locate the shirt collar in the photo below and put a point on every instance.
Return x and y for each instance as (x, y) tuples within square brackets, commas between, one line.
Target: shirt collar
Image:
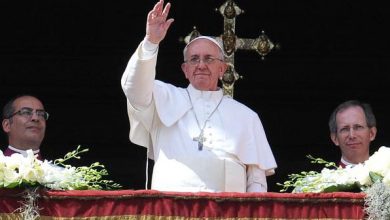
[(23, 152), (207, 95), (346, 162)]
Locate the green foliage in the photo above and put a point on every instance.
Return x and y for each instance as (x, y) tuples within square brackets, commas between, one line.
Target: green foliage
[(92, 176), (375, 177), (295, 180), (322, 162), (313, 181)]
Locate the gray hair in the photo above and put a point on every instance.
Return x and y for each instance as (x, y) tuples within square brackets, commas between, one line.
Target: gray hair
[(370, 117)]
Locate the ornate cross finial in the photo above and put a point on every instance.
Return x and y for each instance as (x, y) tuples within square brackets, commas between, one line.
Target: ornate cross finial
[(262, 44)]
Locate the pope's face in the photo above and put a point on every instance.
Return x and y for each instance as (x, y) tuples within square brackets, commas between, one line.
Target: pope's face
[(204, 74), (353, 136)]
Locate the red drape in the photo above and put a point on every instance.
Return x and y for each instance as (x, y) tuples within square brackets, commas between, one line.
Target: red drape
[(149, 204)]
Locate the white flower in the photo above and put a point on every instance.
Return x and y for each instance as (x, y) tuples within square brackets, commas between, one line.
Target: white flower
[(375, 169), (30, 169), (361, 174), (386, 179), (13, 162), (57, 177), (379, 162), (18, 170), (11, 178)]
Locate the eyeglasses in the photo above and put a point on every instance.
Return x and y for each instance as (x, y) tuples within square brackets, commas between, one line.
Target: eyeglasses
[(355, 128), (28, 113), (195, 60)]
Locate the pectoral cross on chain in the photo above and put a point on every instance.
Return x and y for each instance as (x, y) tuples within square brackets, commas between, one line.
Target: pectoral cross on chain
[(200, 139)]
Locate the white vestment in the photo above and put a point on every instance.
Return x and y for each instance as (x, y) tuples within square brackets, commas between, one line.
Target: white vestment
[(236, 155)]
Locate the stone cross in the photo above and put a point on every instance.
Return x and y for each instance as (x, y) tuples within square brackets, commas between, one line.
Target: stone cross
[(262, 44)]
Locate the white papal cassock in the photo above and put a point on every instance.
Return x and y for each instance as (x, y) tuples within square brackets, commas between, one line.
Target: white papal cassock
[(236, 156)]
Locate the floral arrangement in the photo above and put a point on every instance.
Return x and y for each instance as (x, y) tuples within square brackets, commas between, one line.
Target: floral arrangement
[(29, 173), (372, 177), (17, 171)]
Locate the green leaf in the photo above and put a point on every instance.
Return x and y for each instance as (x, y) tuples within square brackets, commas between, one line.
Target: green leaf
[(343, 188), (375, 177)]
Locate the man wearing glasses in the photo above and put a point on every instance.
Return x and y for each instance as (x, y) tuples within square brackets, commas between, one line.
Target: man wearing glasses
[(24, 122), (199, 139), (352, 127)]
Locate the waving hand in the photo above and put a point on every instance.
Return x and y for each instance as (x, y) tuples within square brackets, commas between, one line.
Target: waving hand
[(157, 24)]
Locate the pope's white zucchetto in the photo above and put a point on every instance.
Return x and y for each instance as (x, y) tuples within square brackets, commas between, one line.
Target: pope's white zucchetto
[(211, 39)]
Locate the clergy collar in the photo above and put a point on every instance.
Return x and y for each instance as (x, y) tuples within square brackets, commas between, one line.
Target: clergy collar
[(23, 152), (208, 95), (346, 162)]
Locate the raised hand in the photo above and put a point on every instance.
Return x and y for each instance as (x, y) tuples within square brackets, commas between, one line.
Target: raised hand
[(157, 24)]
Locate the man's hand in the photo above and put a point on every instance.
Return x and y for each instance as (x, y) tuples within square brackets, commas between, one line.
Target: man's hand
[(157, 24)]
